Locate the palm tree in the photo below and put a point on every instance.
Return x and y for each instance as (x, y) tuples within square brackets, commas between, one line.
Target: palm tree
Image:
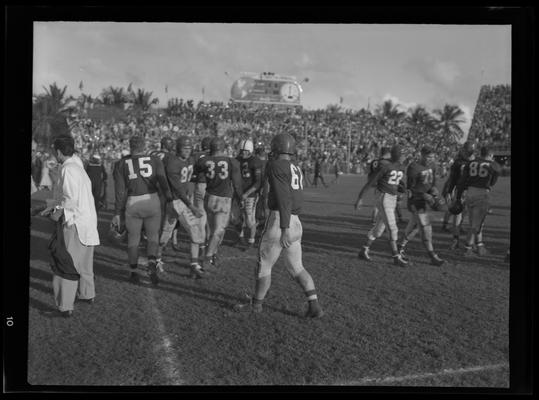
[(85, 101), (49, 114), (389, 113), (449, 120), (142, 100), (419, 118), (112, 96)]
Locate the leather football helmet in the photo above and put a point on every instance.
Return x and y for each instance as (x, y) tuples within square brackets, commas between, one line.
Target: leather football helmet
[(183, 142), (205, 145), (283, 143), (217, 144)]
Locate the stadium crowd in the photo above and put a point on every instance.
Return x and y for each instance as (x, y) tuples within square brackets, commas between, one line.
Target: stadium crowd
[(323, 135)]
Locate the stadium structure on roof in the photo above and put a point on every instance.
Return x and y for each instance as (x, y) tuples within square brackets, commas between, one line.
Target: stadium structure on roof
[(266, 88)]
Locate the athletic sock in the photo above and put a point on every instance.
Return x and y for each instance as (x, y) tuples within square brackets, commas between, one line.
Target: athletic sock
[(311, 295)]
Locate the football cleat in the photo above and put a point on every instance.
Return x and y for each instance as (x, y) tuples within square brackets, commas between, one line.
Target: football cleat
[(436, 260), (212, 260), (159, 265), (249, 307), (196, 271), (468, 251), (481, 250), (364, 254), (314, 310), (401, 262), (152, 273)]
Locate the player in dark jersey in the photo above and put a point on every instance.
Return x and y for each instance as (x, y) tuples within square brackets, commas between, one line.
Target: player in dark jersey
[(167, 148), (388, 180), (179, 168), (251, 176), (465, 154), (283, 228), (222, 176), (385, 155), (262, 203), (200, 190), (422, 191), (138, 178), (477, 179)]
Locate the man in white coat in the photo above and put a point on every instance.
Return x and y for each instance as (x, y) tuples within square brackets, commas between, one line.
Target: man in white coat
[(74, 202)]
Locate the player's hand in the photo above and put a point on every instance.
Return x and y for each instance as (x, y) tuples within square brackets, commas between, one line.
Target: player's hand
[(56, 214), (47, 211), (358, 205), (286, 239), (196, 212)]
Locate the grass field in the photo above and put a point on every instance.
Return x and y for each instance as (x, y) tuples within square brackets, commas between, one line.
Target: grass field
[(420, 326)]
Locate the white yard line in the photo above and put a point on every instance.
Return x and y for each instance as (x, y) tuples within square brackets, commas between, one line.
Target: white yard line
[(171, 364), (444, 372)]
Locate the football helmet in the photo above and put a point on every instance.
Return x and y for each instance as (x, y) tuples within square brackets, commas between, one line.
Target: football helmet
[(260, 148), (217, 144), (167, 143), (247, 145), (283, 143), (456, 208), (205, 145), (116, 234), (183, 142)]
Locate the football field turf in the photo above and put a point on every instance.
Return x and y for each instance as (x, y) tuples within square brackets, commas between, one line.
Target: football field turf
[(383, 325)]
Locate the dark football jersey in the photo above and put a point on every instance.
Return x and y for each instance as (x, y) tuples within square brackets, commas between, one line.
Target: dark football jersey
[(480, 173), (389, 176), (455, 173), (251, 173), (221, 174), (136, 175), (198, 174), (179, 174), (285, 189), (420, 178), (375, 164)]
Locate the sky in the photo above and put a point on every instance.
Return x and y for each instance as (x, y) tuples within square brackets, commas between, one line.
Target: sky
[(365, 64)]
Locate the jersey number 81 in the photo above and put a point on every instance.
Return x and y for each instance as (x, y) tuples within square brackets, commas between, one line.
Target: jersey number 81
[(297, 177)]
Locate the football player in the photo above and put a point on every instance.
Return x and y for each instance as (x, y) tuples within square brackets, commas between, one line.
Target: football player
[(179, 168), (388, 181), (465, 154), (200, 191), (422, 191), (138, 178), (167, 149), (262, 203), (222, 176), (478, 177), (385, 155), (251, 175), (283, 229)]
